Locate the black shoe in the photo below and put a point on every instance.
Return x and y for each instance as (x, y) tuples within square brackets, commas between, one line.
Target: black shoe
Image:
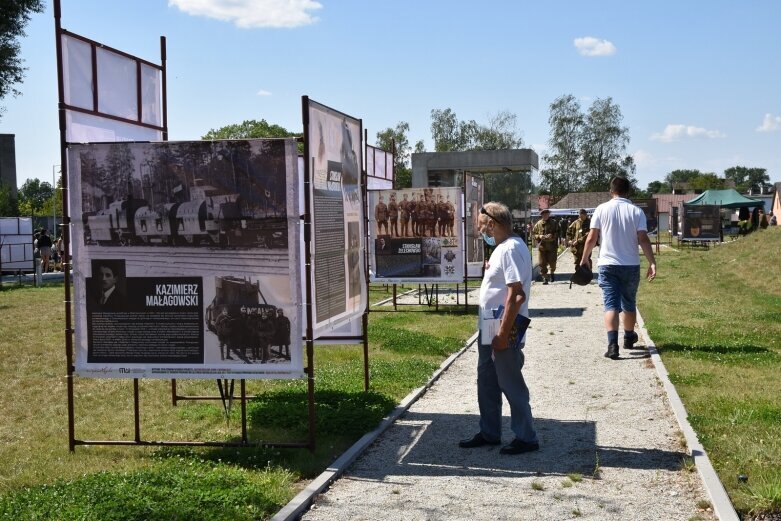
[(476, 441), (612, 351), (544, 281), (552, 278), (629, 341), (519, 447)]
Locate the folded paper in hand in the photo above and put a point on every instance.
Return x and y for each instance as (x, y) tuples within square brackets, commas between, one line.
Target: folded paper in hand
[(489, 326)]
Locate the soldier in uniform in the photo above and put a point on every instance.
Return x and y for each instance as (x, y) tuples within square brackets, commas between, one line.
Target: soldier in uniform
[(431, 216), (413, 215), (547, 237), (265, 334), (404, 212), (393, 216), (451, 216), (282, 334), (576, 236), (381, 216), (442, 216), (224, 329)]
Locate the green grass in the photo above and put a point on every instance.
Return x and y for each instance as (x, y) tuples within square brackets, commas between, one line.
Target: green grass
[(715, 317), (40, 479)]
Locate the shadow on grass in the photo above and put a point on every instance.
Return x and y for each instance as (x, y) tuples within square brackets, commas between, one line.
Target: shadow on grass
[(336, 412), (723, 354)]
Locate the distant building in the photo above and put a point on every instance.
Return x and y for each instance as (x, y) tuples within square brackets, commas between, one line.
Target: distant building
[(447, 168), (664, 207), (579, 200), (8, 161)]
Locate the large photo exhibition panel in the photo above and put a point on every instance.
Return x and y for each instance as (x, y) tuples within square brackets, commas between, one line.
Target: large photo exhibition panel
[(339, 286), (416, 236), (701, 222), (182, 259), (474, 199)]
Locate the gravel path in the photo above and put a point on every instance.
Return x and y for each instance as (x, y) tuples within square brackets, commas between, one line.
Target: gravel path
[(607, 421)]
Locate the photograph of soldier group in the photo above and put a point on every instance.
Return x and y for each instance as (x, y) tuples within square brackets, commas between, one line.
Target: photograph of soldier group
[(427, 213), (251, 333)]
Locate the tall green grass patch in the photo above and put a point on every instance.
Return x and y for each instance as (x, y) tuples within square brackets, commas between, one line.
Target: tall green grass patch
[(40, 479), (715, 317)]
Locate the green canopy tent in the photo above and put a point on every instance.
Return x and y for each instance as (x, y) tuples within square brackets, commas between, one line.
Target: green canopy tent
[(725, 198), (729, 198)]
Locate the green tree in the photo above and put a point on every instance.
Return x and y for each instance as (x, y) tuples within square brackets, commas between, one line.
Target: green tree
[(658, 187), (446, 131), (450, 134), (14, 15), (386, 140), (33, 195), (9, 206), (564, 158), (250, 129), (748, 179), (500, 133), (680, 176), (706, 181), (604, 146)]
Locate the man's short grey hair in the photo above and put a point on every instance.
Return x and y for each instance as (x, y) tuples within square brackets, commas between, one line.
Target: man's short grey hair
[(500, 213)]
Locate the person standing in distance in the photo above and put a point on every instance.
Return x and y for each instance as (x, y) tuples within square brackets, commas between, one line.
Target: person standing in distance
[(621, 227), (507, 282), (576, 235), (546, 233)]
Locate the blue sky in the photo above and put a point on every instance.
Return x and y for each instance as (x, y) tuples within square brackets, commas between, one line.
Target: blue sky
[(699, 83)]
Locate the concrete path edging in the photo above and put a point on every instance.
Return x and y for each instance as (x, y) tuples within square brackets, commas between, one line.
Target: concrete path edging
[(303, 500), (722, 506)]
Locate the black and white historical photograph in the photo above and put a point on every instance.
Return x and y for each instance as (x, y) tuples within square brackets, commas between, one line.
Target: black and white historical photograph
[(412, 229), (219, 194), (249, 328)]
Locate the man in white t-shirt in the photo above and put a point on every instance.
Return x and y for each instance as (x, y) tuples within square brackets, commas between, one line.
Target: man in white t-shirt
[(507, 282), (621, 227)]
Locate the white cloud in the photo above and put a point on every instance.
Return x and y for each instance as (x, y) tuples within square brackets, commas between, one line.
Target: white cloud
[(249, 14), (590, 46), (677, 132), (643, 159), (540, 148), (262, 92), (770, 123)]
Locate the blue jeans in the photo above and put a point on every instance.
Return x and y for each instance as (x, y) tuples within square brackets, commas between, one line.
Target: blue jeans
[(495, 377), (619, 287)]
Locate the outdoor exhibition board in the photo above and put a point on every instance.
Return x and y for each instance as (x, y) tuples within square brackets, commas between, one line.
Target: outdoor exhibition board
[(16, 244), (379, 169), (182, 255), (475, 252), (416, 236), (333, 165), (701, 223), (648, 206), (109, 95)]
